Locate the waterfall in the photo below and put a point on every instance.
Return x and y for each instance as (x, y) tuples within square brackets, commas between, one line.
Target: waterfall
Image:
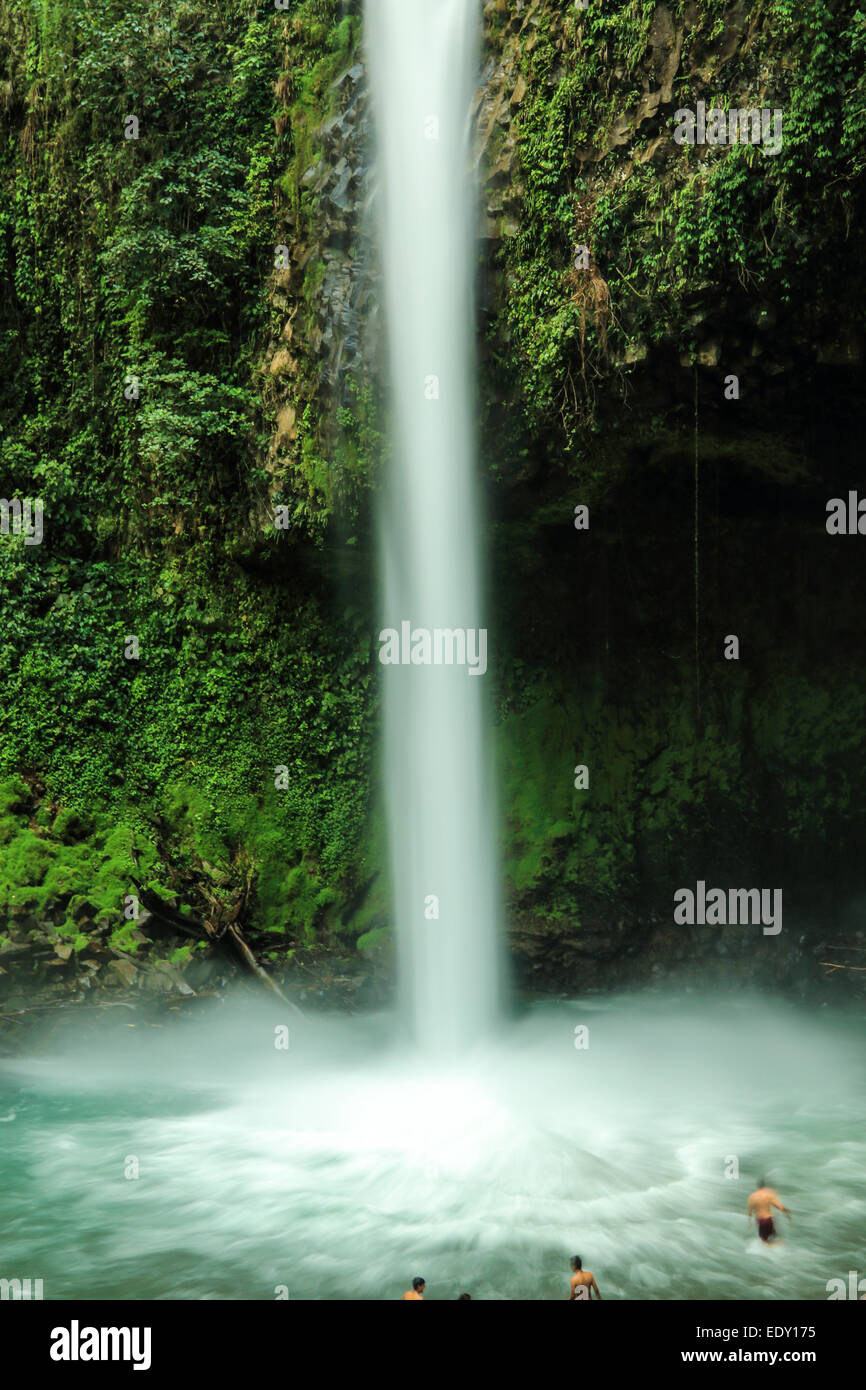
[(423, 57)]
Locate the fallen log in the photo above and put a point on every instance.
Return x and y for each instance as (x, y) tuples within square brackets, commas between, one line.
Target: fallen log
[(189, 926), (200, 930), (252, 964)]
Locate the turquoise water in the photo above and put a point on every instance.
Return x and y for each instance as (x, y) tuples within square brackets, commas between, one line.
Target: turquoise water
[(346, 1164)]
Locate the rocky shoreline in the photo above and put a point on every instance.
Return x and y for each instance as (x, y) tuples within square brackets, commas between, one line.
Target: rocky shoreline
[(47, 991)]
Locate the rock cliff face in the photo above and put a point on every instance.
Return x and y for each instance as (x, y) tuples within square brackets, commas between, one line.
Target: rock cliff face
[(614, 260), (670, 338), (320, 362), (323, 301)]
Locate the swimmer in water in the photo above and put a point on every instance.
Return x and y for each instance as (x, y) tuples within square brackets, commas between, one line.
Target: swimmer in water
[(582, 1283), (760, 1205), (416, 1293)]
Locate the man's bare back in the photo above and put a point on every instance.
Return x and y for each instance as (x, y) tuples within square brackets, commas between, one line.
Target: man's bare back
[(760, 1206), (582, 1285)]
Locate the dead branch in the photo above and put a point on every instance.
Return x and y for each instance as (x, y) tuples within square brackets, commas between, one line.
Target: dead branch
[(201, 930), (235, 935)]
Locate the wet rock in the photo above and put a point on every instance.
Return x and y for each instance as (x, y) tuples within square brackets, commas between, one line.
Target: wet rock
[(635, 352), (666, 42), (166, 977), (518, 93), (200, 974), (15, 1003), (124, 972), (16, 948)]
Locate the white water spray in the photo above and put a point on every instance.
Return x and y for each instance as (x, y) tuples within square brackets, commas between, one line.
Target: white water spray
[(423, 67)]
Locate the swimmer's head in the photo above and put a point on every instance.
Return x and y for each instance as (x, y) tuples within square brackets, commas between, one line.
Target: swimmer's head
[(464, 1296), (418, 1285), (576, 1262)]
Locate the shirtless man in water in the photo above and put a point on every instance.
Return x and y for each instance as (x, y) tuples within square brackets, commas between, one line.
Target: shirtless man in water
[(760, 1205), (582, 1283)]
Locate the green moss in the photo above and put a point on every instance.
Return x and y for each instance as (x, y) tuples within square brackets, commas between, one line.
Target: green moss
[(14, 795), (324, 52), (665, 797), (86, 878), (70, 825), (371, 940), (122, 939), (182, 955)]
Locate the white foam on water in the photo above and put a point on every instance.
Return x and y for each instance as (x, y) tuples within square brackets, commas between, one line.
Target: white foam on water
[(347, 1165)]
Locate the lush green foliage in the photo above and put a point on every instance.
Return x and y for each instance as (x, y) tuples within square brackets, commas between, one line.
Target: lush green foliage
[(138, 296), (133, 274), (698, 227)]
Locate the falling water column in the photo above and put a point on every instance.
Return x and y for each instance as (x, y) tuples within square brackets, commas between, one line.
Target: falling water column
[(423, 67)]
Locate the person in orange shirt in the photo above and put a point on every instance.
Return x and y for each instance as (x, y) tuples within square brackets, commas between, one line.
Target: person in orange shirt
[(582, 1283), (416, 1291)]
